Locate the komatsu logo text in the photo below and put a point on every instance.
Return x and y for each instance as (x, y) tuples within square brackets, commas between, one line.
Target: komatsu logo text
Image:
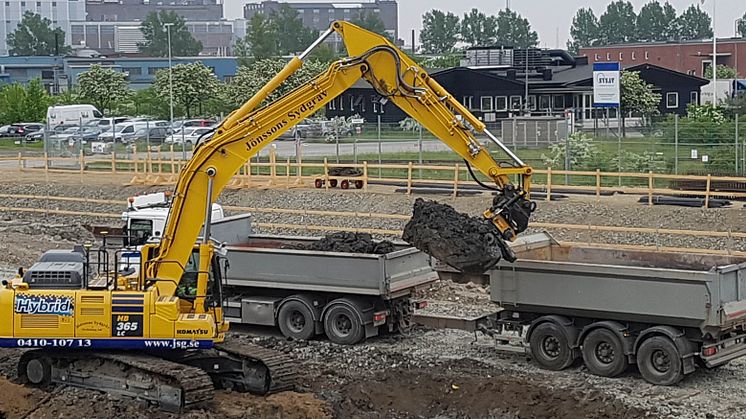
[(44, 304), (293, 115)]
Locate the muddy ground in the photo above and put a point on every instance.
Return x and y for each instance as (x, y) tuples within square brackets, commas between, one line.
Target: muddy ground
[(430, 374)]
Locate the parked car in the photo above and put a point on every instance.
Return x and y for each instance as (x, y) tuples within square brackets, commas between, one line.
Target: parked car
[(36, 136), (295, 133), (86, 135), (21, 129), (123, 132), (65, 134), (190, 136), (4, 131), (191, 123), (107, 122), (154, 135)]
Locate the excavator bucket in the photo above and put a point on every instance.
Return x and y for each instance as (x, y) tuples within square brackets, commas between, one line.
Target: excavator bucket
[(469, 244)]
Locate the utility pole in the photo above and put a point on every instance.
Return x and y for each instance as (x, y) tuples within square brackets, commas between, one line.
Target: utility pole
[(714, 55), (171, 85)]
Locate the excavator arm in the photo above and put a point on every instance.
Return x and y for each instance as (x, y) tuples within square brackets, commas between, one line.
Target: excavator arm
[(249, 129)]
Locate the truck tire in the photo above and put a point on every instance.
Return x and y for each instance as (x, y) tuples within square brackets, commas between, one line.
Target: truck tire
[(603, 353), (296, 321), (550, 348), (659, 361), (342, 325)]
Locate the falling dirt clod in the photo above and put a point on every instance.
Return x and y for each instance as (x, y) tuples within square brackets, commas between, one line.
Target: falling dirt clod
[(463, 242)]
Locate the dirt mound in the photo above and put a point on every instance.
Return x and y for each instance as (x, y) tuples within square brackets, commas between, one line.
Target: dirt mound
[(287, 405), (350, 243), (17, 401), (429, 393), (464, 242)]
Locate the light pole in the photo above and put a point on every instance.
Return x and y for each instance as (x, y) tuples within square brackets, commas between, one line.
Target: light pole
[(171, 82), (714, 55)]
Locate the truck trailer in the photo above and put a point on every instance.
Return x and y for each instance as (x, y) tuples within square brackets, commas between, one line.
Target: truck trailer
[(666, 312)]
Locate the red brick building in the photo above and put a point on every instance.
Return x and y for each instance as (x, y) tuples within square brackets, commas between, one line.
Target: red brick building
[(688, 57)]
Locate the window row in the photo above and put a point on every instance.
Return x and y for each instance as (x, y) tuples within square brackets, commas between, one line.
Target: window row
[(515, 102)]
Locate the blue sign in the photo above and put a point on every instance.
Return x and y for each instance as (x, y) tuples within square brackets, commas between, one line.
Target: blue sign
[(606, 85), (45, 304)]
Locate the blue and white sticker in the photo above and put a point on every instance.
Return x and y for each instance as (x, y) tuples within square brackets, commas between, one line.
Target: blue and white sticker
[(59, 305)]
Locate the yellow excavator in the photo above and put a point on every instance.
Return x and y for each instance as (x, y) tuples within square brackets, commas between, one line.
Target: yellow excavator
[(159, 334)]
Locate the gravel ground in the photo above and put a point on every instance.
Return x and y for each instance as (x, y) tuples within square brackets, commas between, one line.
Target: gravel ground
[(428, 374)]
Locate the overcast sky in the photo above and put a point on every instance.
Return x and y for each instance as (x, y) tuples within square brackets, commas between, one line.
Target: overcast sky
[(546, 16)]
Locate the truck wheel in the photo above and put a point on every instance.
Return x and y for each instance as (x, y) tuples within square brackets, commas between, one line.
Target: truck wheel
[(550, 348), (659, 361), (345, 184), (342, 325), (333, 183), (296, 321), (318, 183), (603, 353), (359, 184)]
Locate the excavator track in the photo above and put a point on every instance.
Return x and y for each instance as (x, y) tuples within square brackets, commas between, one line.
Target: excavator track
[(282, 371), (172, 386)]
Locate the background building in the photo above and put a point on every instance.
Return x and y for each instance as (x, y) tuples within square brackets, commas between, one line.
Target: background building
[(136, 10), (318, 15), (61, 73), (690, 57), (217, 37), (60, 12)]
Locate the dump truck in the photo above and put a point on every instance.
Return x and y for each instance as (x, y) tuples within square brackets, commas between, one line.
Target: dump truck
[(271, 281), (665, 312)]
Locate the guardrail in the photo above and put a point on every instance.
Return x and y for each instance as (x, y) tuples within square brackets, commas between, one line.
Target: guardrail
[(163, 169)]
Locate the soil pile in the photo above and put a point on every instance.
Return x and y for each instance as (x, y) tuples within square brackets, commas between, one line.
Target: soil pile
[(463, 242), (350, 243)]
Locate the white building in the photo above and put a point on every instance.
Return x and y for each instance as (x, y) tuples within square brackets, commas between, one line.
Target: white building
[(60, 12)]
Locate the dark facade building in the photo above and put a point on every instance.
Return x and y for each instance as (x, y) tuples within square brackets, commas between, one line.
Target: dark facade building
[(689, 57), (557, 82), (318, 15), (137, 10)]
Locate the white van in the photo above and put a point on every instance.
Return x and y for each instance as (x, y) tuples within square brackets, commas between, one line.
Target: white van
[(71, 114)]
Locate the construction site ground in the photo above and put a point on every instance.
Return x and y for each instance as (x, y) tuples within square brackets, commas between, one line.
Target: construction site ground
[(428, 374)]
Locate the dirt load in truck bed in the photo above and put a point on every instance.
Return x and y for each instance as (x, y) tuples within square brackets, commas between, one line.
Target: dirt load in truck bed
[(348, 243), (454, 238)]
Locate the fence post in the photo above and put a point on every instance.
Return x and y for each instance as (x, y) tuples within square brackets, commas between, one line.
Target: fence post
[(46, 162), (299, 169), (707, 191), (247, 171), (272, 165), (81, 161), (173, 164), (456, 170), (20, 161), (598, 185), (409, 178), (113, 161), (380, 148), (676, 144), (287, 174), (736, 129), (365, 176), (549, 184), (650, 188), (326, 174)]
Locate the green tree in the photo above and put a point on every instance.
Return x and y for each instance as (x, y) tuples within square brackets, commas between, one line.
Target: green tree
[(440, 32), (669, 16), (193, 84), (372, 22), (618, 23), (155, 32), (654, 21), (724, 72), (262, 37), (742, 26), (694, 23), (478, 28), (585, 31), (19, 103), (149, 102), (242, 51), (637, 96), (35, 36), (324, 53), (514, 30), (295, 36), (104, 88), (249, 80)]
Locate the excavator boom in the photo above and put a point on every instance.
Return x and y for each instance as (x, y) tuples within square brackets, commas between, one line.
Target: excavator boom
[(248, 130)]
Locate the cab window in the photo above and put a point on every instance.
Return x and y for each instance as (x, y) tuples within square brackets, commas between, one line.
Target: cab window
[(140, 231)]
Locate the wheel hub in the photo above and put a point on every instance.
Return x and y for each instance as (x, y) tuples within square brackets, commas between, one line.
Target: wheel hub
[(605, 352), (297, 321), (343, 325), (551, 346), (661, 361)]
